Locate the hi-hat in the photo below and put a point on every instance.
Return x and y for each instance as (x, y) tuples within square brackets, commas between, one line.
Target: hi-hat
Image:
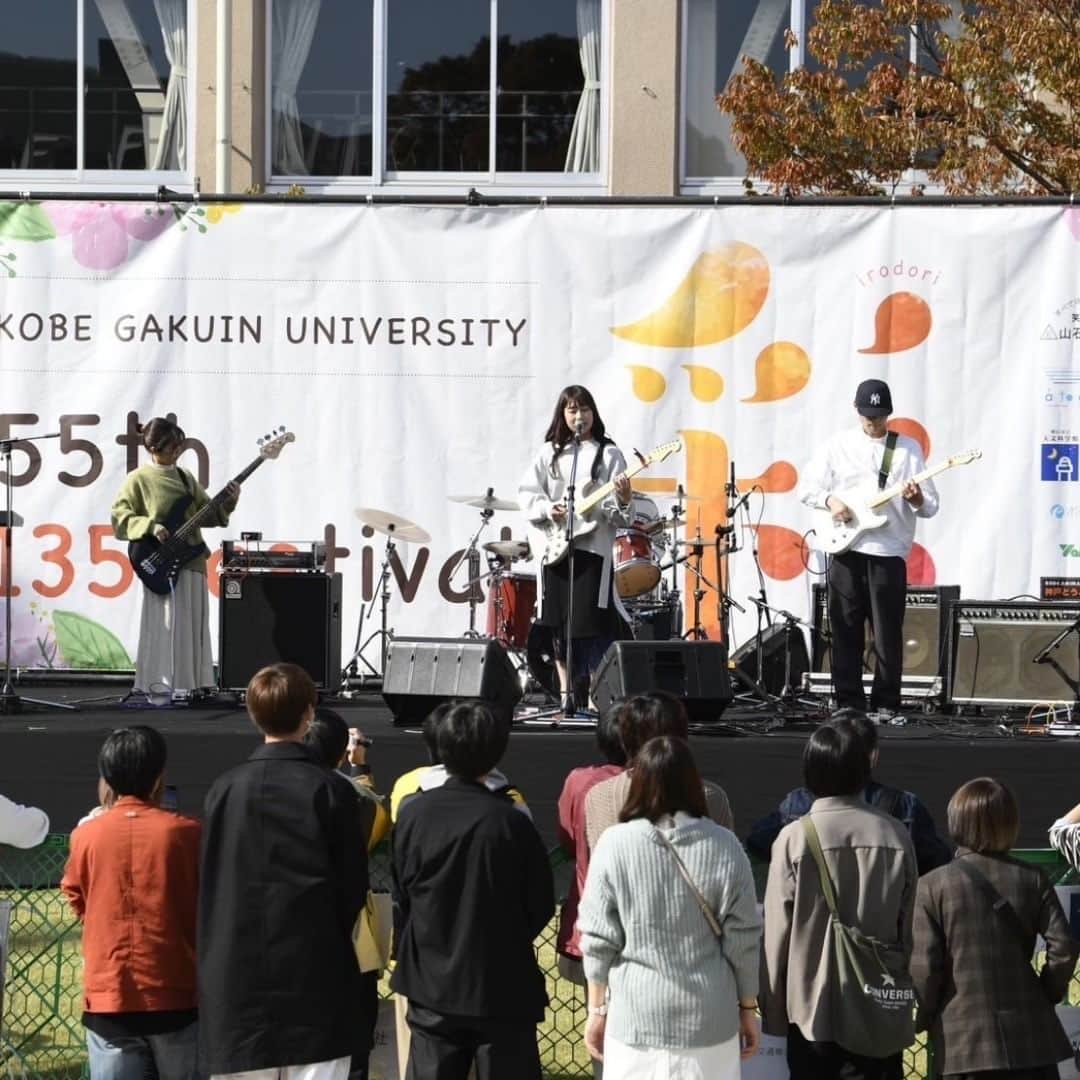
[(398, 527), (677, 496), (508, 549), (485, 502)]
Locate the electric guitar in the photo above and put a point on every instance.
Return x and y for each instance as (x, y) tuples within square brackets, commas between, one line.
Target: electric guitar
[(833, 538), (549, 542), (157, 563)]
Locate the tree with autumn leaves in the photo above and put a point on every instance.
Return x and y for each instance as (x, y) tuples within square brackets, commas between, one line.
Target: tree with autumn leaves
[(990, 105)]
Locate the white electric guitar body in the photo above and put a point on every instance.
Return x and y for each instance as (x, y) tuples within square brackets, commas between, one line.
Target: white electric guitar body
[(549, 539), (865, 504)]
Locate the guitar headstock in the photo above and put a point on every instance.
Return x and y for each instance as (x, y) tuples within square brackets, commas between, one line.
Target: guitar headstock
[(663, 451), (272, 444), (966, 457)]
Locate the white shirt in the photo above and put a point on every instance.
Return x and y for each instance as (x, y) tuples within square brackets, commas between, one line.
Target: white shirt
[(22, 826), (851, 460)]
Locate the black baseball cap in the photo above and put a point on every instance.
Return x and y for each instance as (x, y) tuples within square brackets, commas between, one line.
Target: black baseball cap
[(872, 398)]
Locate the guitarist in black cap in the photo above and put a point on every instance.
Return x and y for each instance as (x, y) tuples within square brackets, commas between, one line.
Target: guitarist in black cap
[(869, 580), (174, 630)]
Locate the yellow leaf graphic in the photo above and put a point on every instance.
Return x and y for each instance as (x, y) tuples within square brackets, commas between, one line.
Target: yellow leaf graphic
[(648, 383), (705, 384), (721, 295)]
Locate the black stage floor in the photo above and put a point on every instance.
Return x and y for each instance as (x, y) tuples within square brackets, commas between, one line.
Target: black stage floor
[(47, 757)]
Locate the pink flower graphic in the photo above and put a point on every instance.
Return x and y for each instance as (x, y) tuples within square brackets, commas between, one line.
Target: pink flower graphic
[(32, 641), (100, 232)]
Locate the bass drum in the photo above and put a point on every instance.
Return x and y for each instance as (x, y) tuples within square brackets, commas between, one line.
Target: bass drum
[(540, 658)]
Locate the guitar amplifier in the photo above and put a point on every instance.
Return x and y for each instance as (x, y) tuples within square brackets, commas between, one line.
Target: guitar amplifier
[(926, 624), (993, 649)]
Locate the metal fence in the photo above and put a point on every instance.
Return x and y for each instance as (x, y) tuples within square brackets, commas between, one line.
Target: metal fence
[(41, 1034)]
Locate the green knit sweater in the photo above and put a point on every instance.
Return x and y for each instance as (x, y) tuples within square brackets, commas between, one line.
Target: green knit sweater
[(147, 496)]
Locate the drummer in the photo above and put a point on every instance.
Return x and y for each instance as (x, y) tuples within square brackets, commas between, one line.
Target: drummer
[(597, 618)]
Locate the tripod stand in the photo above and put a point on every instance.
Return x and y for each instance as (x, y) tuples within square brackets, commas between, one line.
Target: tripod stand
[(10, 702), (383, 634), (788, 699)]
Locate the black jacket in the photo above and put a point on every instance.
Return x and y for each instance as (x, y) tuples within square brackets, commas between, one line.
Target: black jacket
[(284, 873), (474, 885)]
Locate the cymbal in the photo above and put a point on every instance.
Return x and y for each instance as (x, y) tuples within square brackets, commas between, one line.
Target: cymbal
[(485, 502), (675, 496), (508, 549), (398, 527), (700, 541)]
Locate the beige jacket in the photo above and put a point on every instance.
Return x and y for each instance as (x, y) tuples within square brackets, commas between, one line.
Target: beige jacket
[(872, 864), (605, 801)]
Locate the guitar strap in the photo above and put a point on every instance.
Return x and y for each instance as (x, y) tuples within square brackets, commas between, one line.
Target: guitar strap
[(886, 460)]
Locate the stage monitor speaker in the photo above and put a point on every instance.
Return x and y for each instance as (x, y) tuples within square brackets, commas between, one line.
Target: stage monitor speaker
[(926, 631), (992, 650), (744, 658), (694, 671), (269, 618), (424, 672)]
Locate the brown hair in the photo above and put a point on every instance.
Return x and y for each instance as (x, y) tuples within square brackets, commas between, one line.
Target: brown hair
[(644, 716), (664, 779), (278, 696), (983, 816)]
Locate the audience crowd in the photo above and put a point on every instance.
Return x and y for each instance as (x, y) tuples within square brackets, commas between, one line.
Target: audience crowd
[(250, 943)]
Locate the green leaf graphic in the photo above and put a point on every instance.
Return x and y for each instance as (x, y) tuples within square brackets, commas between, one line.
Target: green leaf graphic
[(25, 221), (87, 644)]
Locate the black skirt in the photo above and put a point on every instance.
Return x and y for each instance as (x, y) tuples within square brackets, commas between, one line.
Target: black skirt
[(590, 620)]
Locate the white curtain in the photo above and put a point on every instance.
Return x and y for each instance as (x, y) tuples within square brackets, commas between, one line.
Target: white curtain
[(171, 150), (583, 154), (293, 33)]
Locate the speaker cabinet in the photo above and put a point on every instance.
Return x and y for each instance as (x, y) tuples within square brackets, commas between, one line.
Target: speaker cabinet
[(268, 618), (993, 646), (773, 658), (694, 671), (424, 672), (926, 632)]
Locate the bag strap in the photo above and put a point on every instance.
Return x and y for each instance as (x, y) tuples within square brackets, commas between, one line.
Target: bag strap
[(813, 842), (1005, 912), (710, 917), (886, 460)]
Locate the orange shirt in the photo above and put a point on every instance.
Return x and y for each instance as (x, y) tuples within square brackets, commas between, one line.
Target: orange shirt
[(133, 877)]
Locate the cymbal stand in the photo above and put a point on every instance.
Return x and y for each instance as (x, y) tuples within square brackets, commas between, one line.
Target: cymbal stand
[(385, 634), (11, 702), (696, 552), (788, 697), (471, 554), (674, 597)]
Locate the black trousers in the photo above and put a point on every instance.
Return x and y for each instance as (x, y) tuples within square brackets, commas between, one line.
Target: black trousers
[(828, 1061), (865, 587), (443, 1047)]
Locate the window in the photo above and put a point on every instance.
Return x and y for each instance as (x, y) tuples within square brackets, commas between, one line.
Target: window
[(116, 101), (436, 102)]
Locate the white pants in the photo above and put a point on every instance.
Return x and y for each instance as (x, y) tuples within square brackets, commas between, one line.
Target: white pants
[(720, 1062), (319, 1070)]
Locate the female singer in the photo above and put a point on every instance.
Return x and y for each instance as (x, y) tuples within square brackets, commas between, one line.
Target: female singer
[(596, 618), (174, 630)]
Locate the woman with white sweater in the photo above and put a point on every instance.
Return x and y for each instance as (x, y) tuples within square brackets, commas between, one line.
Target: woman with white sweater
[(670, 932)]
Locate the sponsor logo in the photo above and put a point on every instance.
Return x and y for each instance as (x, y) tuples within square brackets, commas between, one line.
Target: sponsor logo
[(1059, 588), (1064, 323), (1062, 387), (1060, 462), (1069, 551)]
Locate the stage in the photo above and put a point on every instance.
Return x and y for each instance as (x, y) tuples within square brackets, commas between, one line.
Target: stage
[(48, 756)]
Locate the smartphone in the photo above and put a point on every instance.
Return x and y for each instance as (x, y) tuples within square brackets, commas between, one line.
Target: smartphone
[(168, 798)]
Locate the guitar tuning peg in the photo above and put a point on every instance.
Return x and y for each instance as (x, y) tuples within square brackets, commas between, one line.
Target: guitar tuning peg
[(259, 442)]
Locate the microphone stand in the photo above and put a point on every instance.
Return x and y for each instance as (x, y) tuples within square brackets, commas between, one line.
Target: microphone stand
[(1043, 657), (11, 702), (569, 703)]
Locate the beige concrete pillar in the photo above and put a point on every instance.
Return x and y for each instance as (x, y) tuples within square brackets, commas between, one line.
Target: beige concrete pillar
[(643, 150), (247, 91)]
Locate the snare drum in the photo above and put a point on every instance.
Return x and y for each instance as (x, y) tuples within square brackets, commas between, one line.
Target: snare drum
[(636, 561), (511, 604)]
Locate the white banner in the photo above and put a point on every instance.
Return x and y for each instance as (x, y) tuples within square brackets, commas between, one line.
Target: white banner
[(418, 352)]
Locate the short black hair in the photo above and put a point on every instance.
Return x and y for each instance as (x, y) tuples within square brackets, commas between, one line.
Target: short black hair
[(646, 716), (608, 739), (429, 730), (131, 760), (836, 761), (471, 740), (328, 736), (864, 727)]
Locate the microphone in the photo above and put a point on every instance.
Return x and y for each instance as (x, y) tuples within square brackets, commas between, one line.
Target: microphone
[(579, 427), (732, 511)]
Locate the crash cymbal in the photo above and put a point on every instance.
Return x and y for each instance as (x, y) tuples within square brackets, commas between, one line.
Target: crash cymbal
[(676, 496), (508, 549), (485, 502), (398, 527)]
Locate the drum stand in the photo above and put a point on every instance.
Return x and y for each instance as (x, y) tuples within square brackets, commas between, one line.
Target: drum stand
[(384, 634), (696, 552), (471, 555)]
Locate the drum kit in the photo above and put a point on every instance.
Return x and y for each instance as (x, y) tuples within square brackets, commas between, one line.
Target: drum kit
[(642, 555)]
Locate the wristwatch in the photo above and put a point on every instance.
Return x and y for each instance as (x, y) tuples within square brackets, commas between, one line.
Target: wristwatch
[(598, 1010)]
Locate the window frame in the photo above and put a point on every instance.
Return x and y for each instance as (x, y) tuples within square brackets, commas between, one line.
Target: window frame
[(116, 180), (407, 182)]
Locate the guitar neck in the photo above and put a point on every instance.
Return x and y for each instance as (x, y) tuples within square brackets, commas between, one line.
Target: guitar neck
[(196, 519), (890, 493), (594, 498)]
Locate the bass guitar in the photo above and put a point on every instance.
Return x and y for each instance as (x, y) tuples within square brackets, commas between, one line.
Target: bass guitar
[(157, 563), (835, 538), (549, 540)]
